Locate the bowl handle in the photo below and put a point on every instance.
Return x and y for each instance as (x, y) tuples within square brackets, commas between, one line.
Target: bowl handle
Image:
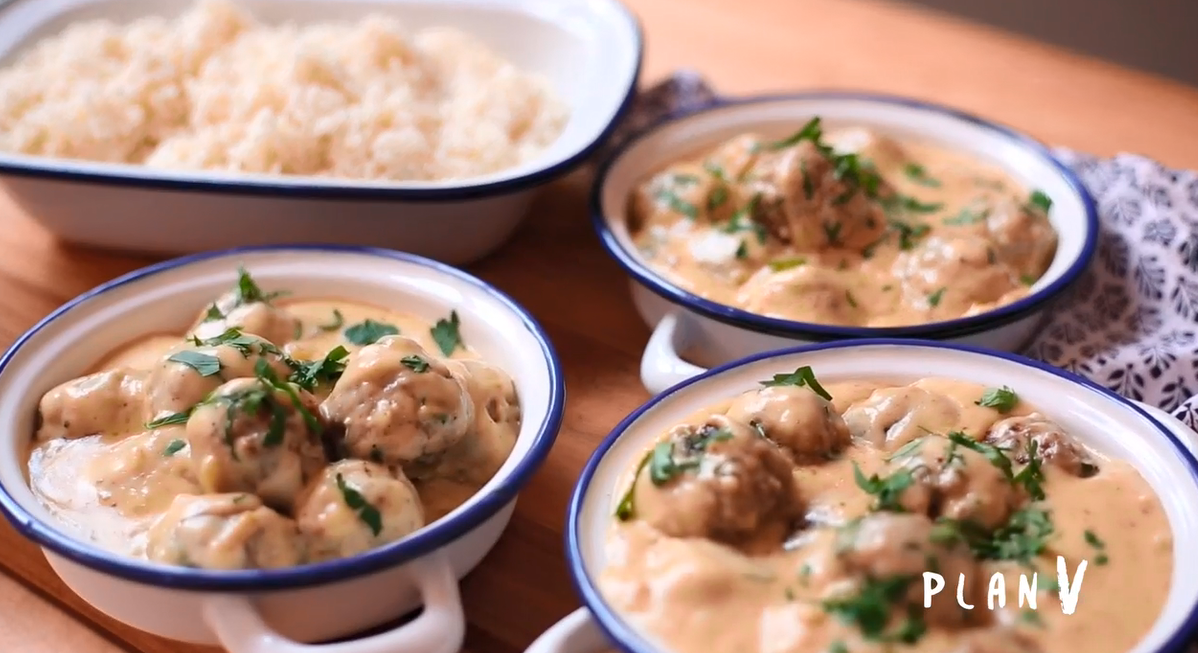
[(440, 628), (661, 366), (577, 632), (1184, 433)]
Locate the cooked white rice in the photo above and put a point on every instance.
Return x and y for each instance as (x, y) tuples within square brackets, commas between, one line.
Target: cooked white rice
[(214, 89)]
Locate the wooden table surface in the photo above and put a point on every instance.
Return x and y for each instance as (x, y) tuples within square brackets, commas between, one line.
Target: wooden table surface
[(556, 268)]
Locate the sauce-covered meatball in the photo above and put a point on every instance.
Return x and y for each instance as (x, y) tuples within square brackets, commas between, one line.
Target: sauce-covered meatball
[(810, 293), (248, 309), (795, 418), (1014, 435), (959, 272), (105, 402), (259, 437), (951, 480), (719, 480), (886, 545), (398, 403), (223, 531), (892, 417), (1023, 237), (355, 506), (489, 442), (189, 373)]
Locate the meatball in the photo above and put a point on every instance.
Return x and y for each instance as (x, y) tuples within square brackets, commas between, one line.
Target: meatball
[(808, 293), (489, 442), (109, 402), (681, 191), (1023, 238), (223, 531), (892, 417), (795, 418), (399, 404), (1016, 435), (255, 436), (248, 310), (185, 376), (953, 481), (811, 202), (997, 640), (355, 506), (959, 271), (719, 480), (885, 545)]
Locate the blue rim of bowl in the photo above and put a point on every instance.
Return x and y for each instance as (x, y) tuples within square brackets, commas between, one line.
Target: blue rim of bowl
[(812, 332), (627, 639), (44, 167), (434, 536)]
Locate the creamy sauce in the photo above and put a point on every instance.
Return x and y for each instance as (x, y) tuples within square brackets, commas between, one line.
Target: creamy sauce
[(757, 536), (851, 228), (155, 454)]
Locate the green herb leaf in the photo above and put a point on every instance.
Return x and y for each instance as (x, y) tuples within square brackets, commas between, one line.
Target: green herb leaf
[(1040, 201), (907, 450), (173, 447), (213, 314), (358, 503), (966, 216), (989, 451), (784, 264), (626, 509), (717, 197), (1101, 559), (1024, 537), (369, 332), (888, 491), (838, 647), (832, 232), (808, 185), (848, 297), (327, 370), (666, 460), (870, 609), (715, 170), (812, 131), (1001, 399), (802, 376), (169, 420), (244, 344), (248, 291), (267, 375), (1031, 618), (742, 251), (1031, 477), (677, 204), (336, 324), (1028, 279), (1092, 540), (203, 364), (908, 234), (934, 298), (415, 363), (447, 335), (917, 174)]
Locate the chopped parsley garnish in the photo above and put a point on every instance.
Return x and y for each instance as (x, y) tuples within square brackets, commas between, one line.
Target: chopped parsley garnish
[(907, 450), (213, 314), (870, 609), (267, 375), (838, 647), (848, 297), (447, 335), (173, 447), (988, 451), (715, 170), (203, 364), (358, 503), (908, 234), (169, 420), (832, 232), (248, 291), (626, 509), (742, 221), (888, 491), (666, 461), (369, 332), (802, 376), (415, 363), (901, 204), (783, 264), (685, 179), (812, 131), (244, 344), (934, 298), (1040, 201), (1031, 477), (917, 174), (1031, 618), (1024, 537), (808, 185), (327, 370), (336, 324), (1028, 279), (968, 215), (1093, 540), (742, 251), (717, 197), (677, 204), (1001, 399)]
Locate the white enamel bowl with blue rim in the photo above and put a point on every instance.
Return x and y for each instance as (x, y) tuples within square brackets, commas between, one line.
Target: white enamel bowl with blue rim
[(1161, 448), (261, 611), (713, 334), (589, 50)]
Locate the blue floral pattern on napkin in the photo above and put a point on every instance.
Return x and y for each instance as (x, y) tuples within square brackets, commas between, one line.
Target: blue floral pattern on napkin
[(1131, 321)]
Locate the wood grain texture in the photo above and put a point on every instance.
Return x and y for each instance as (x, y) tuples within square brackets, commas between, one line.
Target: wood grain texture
[(556, 268)]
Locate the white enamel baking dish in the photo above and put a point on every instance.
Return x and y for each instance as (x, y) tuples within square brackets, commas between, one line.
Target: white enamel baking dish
[(261, 611), (713, 334), (590, 50), (1160, 447)]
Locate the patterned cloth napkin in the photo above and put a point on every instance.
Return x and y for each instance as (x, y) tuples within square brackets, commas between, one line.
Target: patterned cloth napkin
[(1131, 321)]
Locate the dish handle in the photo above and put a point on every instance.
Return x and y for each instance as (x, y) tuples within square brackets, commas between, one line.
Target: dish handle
[(577, 632), (1184, 433), (440, 628), (661, 366)]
